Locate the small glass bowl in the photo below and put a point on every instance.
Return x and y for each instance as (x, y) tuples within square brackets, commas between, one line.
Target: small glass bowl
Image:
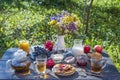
[(57, 57)]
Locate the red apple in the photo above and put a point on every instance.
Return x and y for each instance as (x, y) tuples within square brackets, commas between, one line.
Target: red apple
[(50, 63), (98, 48), (86, 49), (48, 45)]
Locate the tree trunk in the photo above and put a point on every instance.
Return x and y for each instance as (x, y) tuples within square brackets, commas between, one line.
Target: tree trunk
[(87, 17)]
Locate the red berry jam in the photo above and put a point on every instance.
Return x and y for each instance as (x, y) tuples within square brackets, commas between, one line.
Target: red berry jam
[(81, 60)]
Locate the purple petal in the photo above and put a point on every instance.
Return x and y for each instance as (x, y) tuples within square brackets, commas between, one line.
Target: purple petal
[(53, 18), (72, 27)]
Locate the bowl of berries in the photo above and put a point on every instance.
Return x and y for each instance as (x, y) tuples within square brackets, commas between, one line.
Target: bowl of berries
[(39, 50)]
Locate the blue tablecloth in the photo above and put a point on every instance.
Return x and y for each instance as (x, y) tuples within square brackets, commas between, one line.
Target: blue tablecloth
[(109, 73)]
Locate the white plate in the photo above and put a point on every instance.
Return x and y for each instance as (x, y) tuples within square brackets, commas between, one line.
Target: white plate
[(62, 74)]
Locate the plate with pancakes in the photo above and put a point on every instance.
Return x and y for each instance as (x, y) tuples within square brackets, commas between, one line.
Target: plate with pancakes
[(63, 69)]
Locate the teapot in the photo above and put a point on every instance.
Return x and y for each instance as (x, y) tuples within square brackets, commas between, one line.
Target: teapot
[(20, 62)]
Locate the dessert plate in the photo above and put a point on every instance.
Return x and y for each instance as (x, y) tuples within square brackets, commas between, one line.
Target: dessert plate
[(63, 69)]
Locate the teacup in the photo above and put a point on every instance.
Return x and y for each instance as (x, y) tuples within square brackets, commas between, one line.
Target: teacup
[(97, 65)]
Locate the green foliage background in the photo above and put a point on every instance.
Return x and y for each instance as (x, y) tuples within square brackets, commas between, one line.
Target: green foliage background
[(27, 19)]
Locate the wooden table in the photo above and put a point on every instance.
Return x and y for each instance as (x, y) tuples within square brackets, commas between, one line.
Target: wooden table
[(109, 73)]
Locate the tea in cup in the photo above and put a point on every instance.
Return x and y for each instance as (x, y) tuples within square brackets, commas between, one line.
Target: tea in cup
[(97, 65)]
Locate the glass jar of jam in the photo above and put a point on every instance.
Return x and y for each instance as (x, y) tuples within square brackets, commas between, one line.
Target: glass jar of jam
[(82, 60)]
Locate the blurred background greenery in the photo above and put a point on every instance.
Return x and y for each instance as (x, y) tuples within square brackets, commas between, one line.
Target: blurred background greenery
[(27, 19)]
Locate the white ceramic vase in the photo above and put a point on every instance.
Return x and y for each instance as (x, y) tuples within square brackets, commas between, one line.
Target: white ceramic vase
[(60, 43)]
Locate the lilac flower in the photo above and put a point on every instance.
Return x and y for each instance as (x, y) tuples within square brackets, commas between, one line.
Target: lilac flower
[(66, 22), (72, 27), (53, 18)]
